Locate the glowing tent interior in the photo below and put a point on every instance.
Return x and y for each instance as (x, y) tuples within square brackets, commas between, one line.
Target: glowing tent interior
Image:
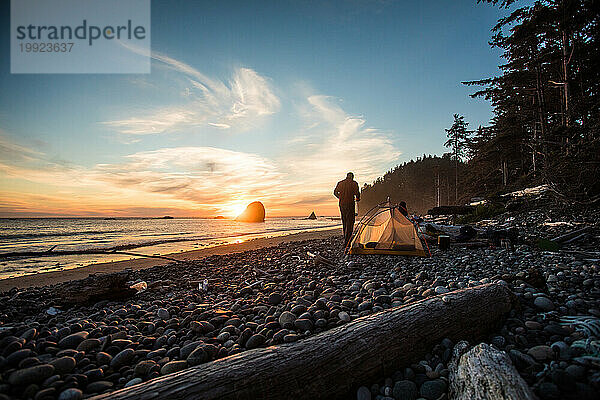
[(384, 230)]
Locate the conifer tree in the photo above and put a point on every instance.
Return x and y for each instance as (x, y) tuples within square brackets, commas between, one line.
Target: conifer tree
[(458, 137)]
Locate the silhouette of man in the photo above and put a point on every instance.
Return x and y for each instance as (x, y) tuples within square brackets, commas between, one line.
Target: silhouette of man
[(347, 191)]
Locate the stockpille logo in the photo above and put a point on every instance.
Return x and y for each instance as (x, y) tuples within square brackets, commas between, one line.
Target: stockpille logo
[(128, 31)]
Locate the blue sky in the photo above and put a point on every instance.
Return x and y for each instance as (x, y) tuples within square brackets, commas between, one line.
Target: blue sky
[(246, 100)]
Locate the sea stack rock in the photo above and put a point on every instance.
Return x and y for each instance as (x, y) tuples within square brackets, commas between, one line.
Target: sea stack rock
[(312, 216), (254, 212)]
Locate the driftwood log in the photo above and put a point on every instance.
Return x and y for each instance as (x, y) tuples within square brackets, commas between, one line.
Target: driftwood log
[(451, 210), (572, 236), (53, 253), (95, 288), (334, 363), (485, 373)]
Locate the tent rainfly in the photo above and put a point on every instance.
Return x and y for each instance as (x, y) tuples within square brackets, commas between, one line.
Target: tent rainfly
[(384, 230)]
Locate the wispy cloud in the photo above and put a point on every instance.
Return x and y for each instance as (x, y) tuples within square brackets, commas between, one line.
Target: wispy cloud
[(333, 144), (239, 103), (15, 152), (25, 162), (194, 180), (160, 121), (205, 176), (298, 176)]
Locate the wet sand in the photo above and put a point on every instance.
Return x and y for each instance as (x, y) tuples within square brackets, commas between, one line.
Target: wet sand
[(53, 277)]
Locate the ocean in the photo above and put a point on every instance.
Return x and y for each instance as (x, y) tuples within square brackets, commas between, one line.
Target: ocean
[(149, 236)]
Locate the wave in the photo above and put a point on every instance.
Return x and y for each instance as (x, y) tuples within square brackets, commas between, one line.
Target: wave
[(54, 234), (129, 246)]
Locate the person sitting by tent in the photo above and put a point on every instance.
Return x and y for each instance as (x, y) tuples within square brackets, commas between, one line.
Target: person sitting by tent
[(347, 190), (402, 208)]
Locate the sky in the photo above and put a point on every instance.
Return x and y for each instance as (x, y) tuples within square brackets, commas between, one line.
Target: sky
[(269, 100)]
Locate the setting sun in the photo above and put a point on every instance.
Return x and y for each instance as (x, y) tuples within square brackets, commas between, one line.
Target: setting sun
[(236, 209)]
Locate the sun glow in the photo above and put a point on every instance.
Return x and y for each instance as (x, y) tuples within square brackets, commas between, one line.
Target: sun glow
[(235, 209)]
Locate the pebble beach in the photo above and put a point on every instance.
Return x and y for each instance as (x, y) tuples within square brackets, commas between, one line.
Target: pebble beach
[(194, 312)]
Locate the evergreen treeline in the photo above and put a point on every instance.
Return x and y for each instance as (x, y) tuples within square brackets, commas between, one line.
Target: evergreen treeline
[(416, 183), (546, 101), (546, 124)]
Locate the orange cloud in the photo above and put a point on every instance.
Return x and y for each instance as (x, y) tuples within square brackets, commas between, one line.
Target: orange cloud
[(201, 180)]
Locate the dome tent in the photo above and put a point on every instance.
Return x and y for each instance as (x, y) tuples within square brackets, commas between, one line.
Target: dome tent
[(384, 230)]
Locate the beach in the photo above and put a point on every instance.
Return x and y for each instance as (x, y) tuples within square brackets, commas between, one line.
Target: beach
[(286, 290), (50, 278), (38, 245)]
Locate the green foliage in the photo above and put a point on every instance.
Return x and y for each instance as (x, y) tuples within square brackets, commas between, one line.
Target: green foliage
[(458, 137), (548, 245), (481, 212)]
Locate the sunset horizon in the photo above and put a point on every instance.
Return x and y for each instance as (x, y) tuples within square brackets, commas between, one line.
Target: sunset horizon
[(220, 123)]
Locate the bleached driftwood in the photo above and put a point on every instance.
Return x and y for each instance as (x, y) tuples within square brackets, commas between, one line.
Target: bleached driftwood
[(485, 373)]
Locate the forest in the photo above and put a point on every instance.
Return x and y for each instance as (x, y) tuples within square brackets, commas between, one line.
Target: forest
[(545, 125), (422, 183)]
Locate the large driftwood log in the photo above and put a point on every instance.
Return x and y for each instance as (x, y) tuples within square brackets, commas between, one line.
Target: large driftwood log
[(95, 288), (334, 363), (451, 210), (485, 373)]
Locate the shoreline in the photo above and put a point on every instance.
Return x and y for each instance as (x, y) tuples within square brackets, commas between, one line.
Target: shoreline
[(276, 294), (54, 277)]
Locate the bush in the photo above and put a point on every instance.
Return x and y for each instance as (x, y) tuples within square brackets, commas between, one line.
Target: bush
[(481, 212)]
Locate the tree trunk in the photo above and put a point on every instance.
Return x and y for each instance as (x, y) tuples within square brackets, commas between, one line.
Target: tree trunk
[(456, 182), (543, 118), (485, 373), (437, 188), (565, 62), (334, 363)]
